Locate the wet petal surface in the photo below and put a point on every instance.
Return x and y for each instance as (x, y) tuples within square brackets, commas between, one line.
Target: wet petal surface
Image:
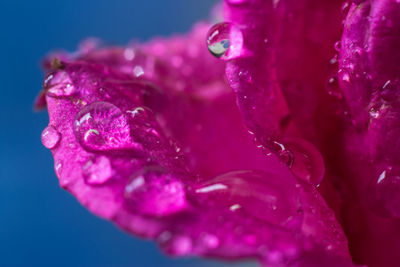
[(369, 78), (151, 139)]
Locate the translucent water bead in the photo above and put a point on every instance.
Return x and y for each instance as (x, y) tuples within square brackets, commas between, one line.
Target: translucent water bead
[(225, 41)]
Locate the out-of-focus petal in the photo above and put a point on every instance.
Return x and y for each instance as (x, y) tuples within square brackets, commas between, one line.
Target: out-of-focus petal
[(166, 158), (369, 75)]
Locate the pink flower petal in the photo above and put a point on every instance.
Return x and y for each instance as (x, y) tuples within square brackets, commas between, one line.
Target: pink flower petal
[(157, 146), (369, 75)]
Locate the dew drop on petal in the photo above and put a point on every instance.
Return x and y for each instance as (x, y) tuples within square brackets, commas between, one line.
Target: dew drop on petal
[(265, 196), (283, 153), (101, 126), (58, 166), (97, 170), (50, 137), (155, 192), (225, 41), (59, 84), (308, 163)]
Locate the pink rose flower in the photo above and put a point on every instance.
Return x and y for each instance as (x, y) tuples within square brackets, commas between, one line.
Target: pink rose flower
[(296, 166)]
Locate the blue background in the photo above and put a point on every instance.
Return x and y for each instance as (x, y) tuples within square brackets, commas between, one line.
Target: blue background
[(40, 224)]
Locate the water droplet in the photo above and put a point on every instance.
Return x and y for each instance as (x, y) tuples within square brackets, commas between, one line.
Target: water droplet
[(374, 112), (101, 126), (97, 170), (58, 168), (129, 54), (262, 195), (308, 163), (225, 41), (138, 71), (59, 84), (284, 154), (344, 76), (50, 137), (155, 192), (145, 128)]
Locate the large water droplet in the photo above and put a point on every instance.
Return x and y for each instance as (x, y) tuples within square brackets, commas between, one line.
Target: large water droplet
[(155, 192), (145, 129), (101, 126), (308, 163), (269, 197), (50, 137), (225, 41), (59, 84), (97, 170)]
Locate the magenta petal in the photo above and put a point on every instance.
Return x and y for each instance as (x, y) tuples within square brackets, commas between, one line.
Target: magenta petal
[(281, 87), (166, 158), (369, 75)]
